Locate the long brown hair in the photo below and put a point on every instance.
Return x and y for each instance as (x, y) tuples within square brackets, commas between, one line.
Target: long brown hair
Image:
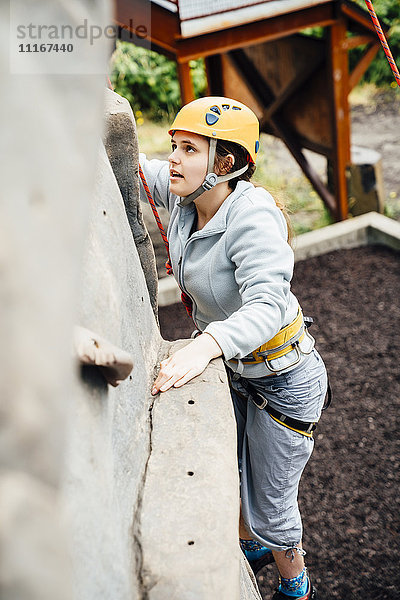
[(242, 158)]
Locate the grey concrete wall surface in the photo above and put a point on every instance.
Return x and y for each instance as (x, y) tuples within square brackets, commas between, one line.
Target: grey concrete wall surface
[(48, 145), (121, 144), (108, 444), (87, 469), (190, 501), (370, 228), (151, 488)]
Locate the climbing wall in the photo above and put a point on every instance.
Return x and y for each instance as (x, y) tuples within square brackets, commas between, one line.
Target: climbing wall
[(104, 492)]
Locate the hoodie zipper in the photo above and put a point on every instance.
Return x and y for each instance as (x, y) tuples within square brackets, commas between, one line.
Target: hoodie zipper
[(180, 278), (180, 262)]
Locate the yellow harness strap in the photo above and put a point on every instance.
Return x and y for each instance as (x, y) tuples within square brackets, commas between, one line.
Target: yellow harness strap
[(283, 337), (306, 433)]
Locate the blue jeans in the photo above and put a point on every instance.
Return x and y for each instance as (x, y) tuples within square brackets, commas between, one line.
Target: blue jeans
[(272, 457)]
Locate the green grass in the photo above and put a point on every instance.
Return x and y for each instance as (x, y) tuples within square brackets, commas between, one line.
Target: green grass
[(306, 210), (153, 138)]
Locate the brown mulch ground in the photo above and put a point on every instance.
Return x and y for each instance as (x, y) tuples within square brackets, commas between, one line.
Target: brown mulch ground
[(349, 494)]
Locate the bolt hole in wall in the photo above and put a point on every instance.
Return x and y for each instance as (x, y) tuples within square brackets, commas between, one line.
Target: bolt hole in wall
[(191, 402), (191, 543), (190, 473), (104, 213)]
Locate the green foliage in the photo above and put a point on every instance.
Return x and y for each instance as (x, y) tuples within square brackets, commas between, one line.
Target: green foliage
[(150, 81), (316, 32), (379, 72)]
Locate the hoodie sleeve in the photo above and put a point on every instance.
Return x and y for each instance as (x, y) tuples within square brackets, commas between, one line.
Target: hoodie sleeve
[(263, 263), (156, 173)]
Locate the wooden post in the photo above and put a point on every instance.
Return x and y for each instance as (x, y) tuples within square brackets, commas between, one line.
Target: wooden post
[(339, 79), (185, 82), (214, 75)]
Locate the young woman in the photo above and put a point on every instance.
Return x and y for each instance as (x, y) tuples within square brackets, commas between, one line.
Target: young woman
[(230, 254)]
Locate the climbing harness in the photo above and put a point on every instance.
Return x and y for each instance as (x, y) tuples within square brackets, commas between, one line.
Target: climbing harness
[(383, 40), (291, 338), (286, 340), (186, 300), (245, 390), (283, 342)]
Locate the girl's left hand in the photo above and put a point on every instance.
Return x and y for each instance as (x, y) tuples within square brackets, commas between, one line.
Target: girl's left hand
[(186, 363)]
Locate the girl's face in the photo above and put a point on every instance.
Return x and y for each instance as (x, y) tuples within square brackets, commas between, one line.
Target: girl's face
[(188, 162)]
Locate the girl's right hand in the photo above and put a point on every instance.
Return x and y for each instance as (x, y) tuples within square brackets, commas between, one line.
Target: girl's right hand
[(186, 363)]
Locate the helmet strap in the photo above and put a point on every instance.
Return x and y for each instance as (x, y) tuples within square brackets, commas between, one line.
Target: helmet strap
[(211, 179), (211, 155)]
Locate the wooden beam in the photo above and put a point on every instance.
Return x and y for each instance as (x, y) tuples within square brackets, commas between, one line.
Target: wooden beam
[(261, 90), (253, 33), (293, 86), (185, 82), (363, 64), (357, 40), (339, 76), (214, 75), (304, 142), (162, 26), (359, 15), (295, 149), (315, 146)]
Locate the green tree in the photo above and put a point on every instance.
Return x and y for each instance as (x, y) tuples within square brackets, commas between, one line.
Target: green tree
[(150, 81), (379, 72)]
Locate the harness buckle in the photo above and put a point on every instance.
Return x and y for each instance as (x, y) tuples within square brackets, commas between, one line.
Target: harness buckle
[(295, 346), (299, 352), (263, 402)]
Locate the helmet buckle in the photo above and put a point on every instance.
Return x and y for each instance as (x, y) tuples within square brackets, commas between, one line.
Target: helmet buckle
[(209, 181)]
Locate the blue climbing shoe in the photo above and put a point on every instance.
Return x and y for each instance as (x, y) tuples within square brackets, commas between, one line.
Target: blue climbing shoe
[(311, 595)]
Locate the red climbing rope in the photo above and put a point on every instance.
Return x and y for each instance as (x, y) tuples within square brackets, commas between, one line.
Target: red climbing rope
[(383, 40), (186, 301), (168, 265)]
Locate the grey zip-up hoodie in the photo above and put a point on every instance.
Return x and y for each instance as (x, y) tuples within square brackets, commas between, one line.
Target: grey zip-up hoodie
[(237, 269)]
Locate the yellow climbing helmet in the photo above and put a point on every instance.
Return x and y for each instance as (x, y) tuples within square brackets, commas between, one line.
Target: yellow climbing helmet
[(220, 118)]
